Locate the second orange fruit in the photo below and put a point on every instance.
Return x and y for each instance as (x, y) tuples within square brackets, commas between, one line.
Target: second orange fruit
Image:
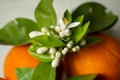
[(102, 58)]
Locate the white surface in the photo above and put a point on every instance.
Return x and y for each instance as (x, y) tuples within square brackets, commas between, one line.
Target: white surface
[(10, 9)]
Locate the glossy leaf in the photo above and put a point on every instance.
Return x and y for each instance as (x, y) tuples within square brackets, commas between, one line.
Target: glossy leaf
[(68, 16), (96, 13), (92, 40), (84, 77), (24, 73), (78, 19), (42, 57), (44, 71), (45, 14), (48, 41), (28, 25), (16, 33), (80, 33)]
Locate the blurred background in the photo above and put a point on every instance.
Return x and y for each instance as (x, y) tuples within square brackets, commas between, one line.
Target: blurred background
[(10, 9)]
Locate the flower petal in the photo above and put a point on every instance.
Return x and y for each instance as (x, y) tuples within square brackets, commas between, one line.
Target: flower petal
[(74, 24)]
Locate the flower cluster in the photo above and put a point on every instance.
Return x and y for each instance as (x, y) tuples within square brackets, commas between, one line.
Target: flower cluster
[(63, 30)]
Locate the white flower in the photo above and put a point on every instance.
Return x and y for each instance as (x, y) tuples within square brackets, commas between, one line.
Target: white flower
[(64, 23), (52, 50), (65, 50), (42, 50), (35, 33), (55, 62), (66, 32), (83, 42), (64, 27), (58, 54), (70, 44)]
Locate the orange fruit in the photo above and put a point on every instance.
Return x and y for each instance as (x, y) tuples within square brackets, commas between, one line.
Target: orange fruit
[(2, 79), (18, 57), (102, 58)]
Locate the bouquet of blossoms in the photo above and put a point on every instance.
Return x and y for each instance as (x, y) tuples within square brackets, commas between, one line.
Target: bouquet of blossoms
[(71, 47)]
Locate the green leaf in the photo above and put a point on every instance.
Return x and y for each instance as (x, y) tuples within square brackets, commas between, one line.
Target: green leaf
[(24, 73), (84, 77), (96, 13), (28, 25), (80, 33), (92, 40), (42, 57), (78, 19), (45, 14), (16, 33), (44, 71), (48, 41), (68, 16)]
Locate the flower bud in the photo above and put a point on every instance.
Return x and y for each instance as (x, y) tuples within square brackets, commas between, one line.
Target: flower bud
[(55, 62), (70, 44), (44, 30), (74, 49), (77, 47), (64, 51), (42, 50), (52, 50), (58, 54), (83, 42), (35, 33)]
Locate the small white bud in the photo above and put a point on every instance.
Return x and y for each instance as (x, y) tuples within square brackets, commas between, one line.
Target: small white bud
[(70, 44), (55, 62), (65, 50), (44, 30), (58, 54), (77, 47), (42, 50), (52, 56), (61, 34), (83, 42), (74, 49), (35, 33), (58, 29), (52, 50)]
